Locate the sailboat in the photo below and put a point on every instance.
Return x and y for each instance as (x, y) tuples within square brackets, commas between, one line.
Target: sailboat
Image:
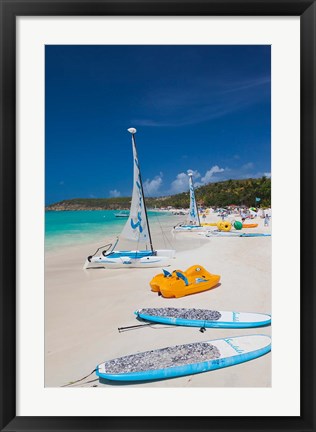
[(136, 229), (121, 214), (193, 223)]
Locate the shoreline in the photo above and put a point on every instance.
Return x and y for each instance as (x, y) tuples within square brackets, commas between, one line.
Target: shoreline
[(83, 309), (95, 238)]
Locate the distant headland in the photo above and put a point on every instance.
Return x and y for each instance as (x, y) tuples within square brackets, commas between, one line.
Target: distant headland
[(220, 194)]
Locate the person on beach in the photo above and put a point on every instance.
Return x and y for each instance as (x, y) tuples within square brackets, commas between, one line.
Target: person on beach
[(266, 220)]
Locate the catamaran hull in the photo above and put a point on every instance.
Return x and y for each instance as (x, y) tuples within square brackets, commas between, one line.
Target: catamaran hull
[(161, 258)]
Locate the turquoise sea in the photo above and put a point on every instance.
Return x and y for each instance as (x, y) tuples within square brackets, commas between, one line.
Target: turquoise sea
[(66, 228)]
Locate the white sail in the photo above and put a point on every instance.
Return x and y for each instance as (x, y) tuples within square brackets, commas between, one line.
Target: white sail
[(136, 227), (193, 213)]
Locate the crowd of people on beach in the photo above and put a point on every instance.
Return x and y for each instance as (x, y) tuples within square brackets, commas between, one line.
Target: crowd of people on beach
[(243, 212)]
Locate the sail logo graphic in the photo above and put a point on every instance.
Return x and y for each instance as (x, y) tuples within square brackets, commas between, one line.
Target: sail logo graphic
[(138, 223), (192, 212)]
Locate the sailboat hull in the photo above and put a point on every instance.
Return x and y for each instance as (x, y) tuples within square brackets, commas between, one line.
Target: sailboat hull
[(132, 259)]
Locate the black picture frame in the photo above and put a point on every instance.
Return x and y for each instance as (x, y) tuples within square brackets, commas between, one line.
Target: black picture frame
[(10, 9)]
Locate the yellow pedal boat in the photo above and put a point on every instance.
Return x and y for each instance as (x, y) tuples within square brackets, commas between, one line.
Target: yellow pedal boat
[(179, 284)]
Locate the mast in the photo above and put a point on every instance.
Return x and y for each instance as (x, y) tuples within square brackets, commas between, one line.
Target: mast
[(133, 132), (190, 174)]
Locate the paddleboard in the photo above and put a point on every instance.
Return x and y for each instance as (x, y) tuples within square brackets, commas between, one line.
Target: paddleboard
[(204, 318), (216, 233), (255, 235), (188, 359)]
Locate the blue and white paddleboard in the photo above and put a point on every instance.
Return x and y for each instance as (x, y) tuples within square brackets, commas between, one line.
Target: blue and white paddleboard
[(255, 235), (204, 317), (217, 233), (185, 359)]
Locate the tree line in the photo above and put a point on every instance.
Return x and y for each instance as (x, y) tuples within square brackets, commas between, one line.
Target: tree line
[(220, 194)]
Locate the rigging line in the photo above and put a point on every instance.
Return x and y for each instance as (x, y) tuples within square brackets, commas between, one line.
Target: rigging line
[(169, 241), (157, 219), (165, 238)]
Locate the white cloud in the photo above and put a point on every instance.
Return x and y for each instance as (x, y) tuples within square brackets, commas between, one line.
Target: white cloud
[(115, 193), (151, 187), (210, 173), (215, 174), (247, 166), (194, 173), (181, 183)]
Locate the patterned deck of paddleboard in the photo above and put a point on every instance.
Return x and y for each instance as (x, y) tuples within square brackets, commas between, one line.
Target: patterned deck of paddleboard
[(189, 314), (163, 358)]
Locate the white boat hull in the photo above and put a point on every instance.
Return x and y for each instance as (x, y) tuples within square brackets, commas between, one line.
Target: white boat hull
[(161, 258)]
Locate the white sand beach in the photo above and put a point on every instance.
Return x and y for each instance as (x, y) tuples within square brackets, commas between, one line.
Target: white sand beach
[(85, 308)]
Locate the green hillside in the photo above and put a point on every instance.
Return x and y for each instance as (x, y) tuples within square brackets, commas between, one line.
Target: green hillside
[(221, 194)]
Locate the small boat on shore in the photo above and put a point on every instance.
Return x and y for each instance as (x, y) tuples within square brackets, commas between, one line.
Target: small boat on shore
[(182, 283), (121, 214), (136, 229), (193, 223)]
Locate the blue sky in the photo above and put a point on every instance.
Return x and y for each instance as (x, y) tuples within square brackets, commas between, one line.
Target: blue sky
[(204, 108)]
